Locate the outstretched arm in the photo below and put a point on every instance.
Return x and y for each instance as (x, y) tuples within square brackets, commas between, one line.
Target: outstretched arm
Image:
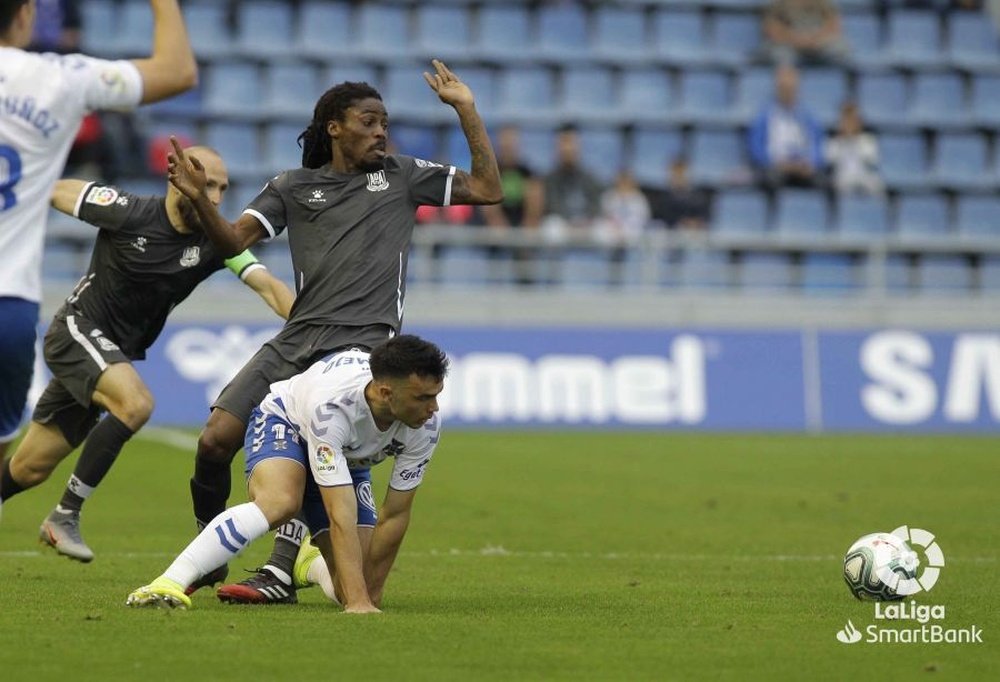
[(341, 506), (66, 195), (394, 518), (274, 292), (188, 175), (482, 184), (171, 68)]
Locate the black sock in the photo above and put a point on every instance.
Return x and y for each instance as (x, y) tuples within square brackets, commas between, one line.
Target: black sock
[(8, 486), (209, 489), (287, 540), (100, 451)]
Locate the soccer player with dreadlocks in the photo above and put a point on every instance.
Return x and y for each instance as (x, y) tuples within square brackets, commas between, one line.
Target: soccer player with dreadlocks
[(350, 213)]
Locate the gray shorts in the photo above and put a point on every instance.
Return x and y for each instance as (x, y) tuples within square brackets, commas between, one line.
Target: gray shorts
[(77, 352), (293, 350)]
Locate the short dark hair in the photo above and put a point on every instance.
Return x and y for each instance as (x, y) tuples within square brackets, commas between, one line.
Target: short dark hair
[(403, 355), (331, 106), (8, 8)]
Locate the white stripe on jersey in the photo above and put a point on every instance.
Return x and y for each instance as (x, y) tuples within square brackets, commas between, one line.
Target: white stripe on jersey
[(79, 199), (85, 342), (447, 186), (263, 221)]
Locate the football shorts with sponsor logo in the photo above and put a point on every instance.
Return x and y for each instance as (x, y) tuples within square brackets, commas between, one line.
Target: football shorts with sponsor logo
[(17, 348), (269, 436), (292, 350), (77, 352)]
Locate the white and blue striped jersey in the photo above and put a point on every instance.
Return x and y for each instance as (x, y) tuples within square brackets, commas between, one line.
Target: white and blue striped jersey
[(326, 404), (43, 98)]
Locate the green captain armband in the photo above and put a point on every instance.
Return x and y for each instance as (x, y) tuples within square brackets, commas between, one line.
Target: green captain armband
[(243, 264)]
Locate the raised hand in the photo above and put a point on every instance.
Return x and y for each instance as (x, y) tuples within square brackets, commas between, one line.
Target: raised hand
[(185, 172), (447, 86)]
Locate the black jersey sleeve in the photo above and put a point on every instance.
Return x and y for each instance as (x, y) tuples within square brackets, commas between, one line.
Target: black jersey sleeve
[(269, 206), (105, 206), (429, 182)]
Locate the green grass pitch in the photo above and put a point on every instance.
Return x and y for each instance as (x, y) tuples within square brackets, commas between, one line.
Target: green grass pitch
[(537, 556)]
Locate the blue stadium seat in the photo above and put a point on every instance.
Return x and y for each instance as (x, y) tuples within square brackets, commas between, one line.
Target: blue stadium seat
[(801, 213), (504, 34), (188, 104), (290, 90), (63, 263), (563, 34), (538, 148), (828, 274), (989, 274), (904, 160), (602, 152), (281, 149), (765, 271), (646, 96), (705, 97), (208, 28), (383, 31), (922, 216), (863, 32), (443, 32), (407, 97), (962, 162), (526, 95), (422, 142), (135, 29), (735, 37), (456, 149), (681, 37), (754, 89), (822, 91), (913, 38), (973, 41), (978, 216), (100, 27), (483, 85), (239, 196), (232, 89), (985, 106), (652, 151), (323, 29), (354, 72), (586, 269), (938, 101), (944, 274), (717, 157), (464, 266), (704, 269), (620, 35), (882, 97), (861, 216), (740, 212), (587, 94), (264, 29), (239, 146), (895, 273)]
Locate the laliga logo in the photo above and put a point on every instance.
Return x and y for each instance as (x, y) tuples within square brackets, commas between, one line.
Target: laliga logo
[(915, 537)]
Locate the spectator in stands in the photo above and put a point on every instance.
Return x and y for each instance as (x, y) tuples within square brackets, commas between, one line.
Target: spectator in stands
[(523, 200), (785, 141), (57, 26), (852, 155), (803, 31), (572, 195), (680, 205), (624, 217)]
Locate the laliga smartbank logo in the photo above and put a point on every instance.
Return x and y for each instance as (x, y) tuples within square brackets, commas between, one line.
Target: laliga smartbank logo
[(892, 571)]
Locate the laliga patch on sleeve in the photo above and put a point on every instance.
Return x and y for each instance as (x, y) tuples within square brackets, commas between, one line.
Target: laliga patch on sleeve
[(101, 196)]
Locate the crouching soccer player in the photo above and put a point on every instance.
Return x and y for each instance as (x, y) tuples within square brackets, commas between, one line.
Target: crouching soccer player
[(348, 411)]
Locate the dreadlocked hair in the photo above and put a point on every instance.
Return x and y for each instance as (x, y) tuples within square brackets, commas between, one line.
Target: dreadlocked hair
[(332, 105)]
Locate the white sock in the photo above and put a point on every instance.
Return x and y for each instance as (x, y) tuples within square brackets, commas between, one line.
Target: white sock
[(222, 539), (319, 574)]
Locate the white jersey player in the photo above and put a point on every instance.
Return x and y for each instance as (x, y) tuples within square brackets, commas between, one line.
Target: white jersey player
[(43, 98), (306, 445)]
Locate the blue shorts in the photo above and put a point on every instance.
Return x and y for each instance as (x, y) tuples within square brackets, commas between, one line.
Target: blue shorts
[(17, 348), (269, 436)]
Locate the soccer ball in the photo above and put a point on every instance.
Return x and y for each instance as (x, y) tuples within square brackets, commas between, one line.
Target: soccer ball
[(874, 565)]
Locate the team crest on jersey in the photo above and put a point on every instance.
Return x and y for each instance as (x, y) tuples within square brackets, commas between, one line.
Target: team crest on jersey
[(426, 164), (191, 257), (377, 181), (101, 196)]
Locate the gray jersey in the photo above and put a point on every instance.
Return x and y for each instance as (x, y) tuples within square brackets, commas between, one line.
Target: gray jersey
[(349, 236)]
